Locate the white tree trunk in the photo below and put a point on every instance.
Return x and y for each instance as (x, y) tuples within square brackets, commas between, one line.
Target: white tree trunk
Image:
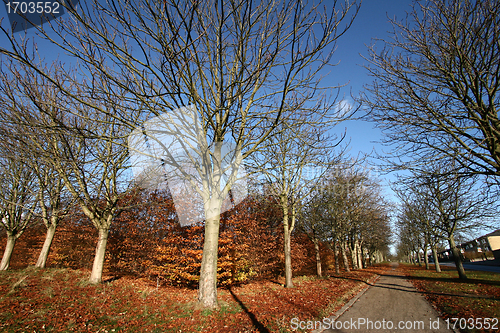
[(42, 258), (436, 259), (354, 257), (360, 257), (458, 260), (380, 257), (426, 258), (7, 254), (207, 292), (343, 248), (287, 244), (318, 257), (357, 255), (100, 252)]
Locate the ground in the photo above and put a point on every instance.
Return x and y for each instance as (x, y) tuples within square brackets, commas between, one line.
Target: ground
[(468, 301), (392, 304), (61, 300)]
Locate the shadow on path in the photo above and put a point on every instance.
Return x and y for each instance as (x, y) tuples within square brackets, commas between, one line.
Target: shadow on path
[(455, 280), (395, 286), (443, 279), (393, 300)]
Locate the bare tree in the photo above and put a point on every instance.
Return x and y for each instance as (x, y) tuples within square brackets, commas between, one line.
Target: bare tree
[(313, 224), (53, 198), (92, 170), (295, 159), (352, 216), (343, 207), (54, 201), (414, 231), (235, 63), (17, 199), (366, 213), (84, 157), (406, 240), (459, 205), (317, 223), (418, 212), (373, 232), (335, 195), (436, 87), (377, 235)]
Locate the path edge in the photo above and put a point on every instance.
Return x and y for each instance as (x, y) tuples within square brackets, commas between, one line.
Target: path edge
[(353, 300)]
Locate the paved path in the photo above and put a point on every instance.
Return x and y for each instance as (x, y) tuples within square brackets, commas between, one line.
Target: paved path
[(391, 302), (475, 266)]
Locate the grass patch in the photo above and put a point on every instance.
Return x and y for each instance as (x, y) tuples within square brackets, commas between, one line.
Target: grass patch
[(18, 284), (304, 278), (206, 312), (62, 300), (49, 292), (476, 297), (229, 308)]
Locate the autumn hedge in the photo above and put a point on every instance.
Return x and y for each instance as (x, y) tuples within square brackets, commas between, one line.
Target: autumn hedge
[(148, 241)]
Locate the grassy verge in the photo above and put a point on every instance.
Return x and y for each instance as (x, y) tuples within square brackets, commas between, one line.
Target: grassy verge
[(60, 300), (477, 297)]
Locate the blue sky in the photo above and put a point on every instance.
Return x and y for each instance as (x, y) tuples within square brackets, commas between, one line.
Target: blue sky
[(372, 22)]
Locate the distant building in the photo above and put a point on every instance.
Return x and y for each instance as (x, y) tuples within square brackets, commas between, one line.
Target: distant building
[(494, 243), (481, 248)]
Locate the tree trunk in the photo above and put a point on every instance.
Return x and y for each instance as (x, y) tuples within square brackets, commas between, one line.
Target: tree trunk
[(354, 255), (207, 291), (436, 260), (318, 256), (42, 258), (7, 254), (287, 232), (100, 252), (287, 245), (344, 256), (336, 254), (380, 256), (426, 258), (457, 258), (360, 256), (363, 257)]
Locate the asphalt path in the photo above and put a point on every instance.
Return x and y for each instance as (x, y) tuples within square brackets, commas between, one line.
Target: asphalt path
[(391, 305), (476, 266)]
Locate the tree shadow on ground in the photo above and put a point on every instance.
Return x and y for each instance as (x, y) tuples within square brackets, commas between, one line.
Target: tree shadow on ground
[(114, 278), (453, 279), (296, 303), (256, 323), (412, 289)]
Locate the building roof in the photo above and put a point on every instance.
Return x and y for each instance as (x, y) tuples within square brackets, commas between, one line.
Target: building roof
[(494, 233)]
